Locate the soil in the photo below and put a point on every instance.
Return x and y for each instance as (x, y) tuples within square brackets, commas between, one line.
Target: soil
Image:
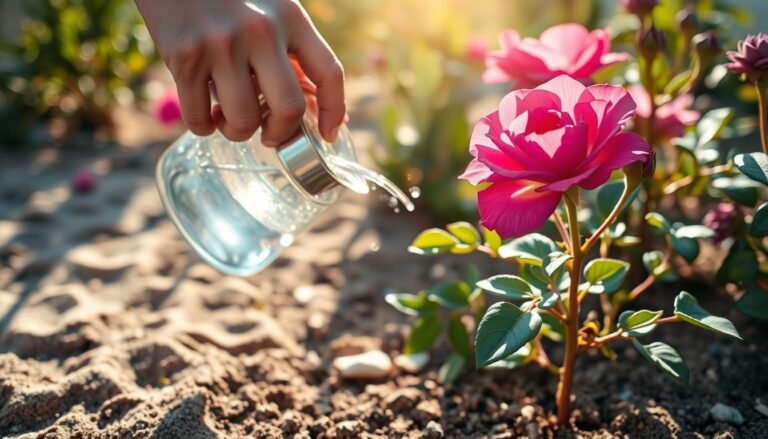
[(111, 327)]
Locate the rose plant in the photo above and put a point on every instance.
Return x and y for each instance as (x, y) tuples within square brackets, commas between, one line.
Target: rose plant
[(539, 153)]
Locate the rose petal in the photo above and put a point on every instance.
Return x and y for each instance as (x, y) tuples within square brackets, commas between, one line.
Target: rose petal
[(619, 151), (567, 89), (514, 208)]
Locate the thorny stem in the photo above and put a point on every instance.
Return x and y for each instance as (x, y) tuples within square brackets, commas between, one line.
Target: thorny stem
[(572, 324), (762, 100)]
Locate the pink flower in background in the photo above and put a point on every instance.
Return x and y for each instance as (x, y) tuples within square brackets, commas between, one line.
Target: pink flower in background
[(168, 109), (477, 48), (563, 49), (84, 181), (671, 118), (541, 142)]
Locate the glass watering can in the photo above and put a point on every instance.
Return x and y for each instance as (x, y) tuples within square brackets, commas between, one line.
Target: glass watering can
[(239, 204)]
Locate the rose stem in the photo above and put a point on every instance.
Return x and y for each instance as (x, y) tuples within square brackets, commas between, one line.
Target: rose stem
[(572, 324), (763, 114)]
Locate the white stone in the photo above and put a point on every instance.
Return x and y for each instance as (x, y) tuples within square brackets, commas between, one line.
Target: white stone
[(528, 412), (369, 365), (762, 409), (725, 413), (412, 363)]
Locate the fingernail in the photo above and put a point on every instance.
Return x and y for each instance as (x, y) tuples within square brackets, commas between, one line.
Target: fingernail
[(269, 143), (334, 134)]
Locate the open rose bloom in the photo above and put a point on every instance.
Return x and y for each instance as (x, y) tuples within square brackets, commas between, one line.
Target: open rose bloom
[(543, 141), (671, 118), (563, 49)]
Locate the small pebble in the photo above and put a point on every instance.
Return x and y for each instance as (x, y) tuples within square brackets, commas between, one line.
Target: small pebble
[(369, 365), (725, 413), (433, 430), (528, 412), (412, 363)]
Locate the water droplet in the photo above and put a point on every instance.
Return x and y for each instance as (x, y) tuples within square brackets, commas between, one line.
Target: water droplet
[(286, 239), (397, 210), (375, 246), (415, 192), (392, 202)]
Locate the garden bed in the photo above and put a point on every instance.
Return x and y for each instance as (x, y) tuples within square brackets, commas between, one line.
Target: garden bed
[(111, 327)]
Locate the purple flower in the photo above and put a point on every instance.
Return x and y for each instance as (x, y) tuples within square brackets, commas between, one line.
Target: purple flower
[(750, 59), (721, 218)]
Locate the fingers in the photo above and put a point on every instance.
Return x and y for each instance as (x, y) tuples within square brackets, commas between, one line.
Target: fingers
[(238, 99), (321, 66), (281, 90), (194, 96)]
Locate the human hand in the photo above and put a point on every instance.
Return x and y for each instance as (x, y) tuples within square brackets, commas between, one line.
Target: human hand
[(243, 49)]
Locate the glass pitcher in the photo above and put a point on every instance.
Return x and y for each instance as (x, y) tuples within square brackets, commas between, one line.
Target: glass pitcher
[(239, 204)]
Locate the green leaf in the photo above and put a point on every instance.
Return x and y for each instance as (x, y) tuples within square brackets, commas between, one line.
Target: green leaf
[(452, 295), (531, 249), (605, 275), (519, 358), (759, 226), (740, 266), (508, 286), (458, 337), (658, 221), (451, 369), (754, 166), (548, 300), (609, 195), (472, 276), (627, 241), (492, 240), (687, 308), (686, 247), (638, 323), (465, 232), (652, 261), (694, 232), (676, 83), (754, 303), (666, 358), (555, 262), (503, 330), (423, 334), (433, 241), (411, 304), (739, 189), (552, 328), (712, 124)]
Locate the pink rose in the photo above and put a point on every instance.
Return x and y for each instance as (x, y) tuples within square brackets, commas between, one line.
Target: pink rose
[(168, 109), (563, 49), (671, 118), (541, 142)]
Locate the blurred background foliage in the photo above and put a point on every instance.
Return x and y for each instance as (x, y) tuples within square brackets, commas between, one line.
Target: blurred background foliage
[(70, 61), (65, 65)]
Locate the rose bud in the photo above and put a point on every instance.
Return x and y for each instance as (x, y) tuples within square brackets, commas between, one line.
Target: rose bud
[(688, 22), (707, 46), (641, 8), (651, 42)]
